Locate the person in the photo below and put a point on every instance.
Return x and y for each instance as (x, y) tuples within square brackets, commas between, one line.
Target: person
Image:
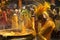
[(47, 24), (9, 18), (26, 18)]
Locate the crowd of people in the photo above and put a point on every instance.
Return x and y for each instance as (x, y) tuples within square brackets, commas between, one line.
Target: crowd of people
[(8, 20)]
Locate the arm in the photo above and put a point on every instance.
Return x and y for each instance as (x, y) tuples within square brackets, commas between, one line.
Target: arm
[(46, 30)]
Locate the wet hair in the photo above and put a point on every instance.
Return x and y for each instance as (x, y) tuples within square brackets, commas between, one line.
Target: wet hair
[(52, 7), (40, 17), (57, 9)]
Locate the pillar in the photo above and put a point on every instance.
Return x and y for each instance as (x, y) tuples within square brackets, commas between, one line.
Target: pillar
[(52, 1), (20, 3)]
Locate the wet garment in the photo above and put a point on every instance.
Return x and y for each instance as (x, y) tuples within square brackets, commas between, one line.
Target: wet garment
[(47, 29)]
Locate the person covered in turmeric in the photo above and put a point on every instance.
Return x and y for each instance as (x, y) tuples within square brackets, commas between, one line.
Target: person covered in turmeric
[(47, 24)]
